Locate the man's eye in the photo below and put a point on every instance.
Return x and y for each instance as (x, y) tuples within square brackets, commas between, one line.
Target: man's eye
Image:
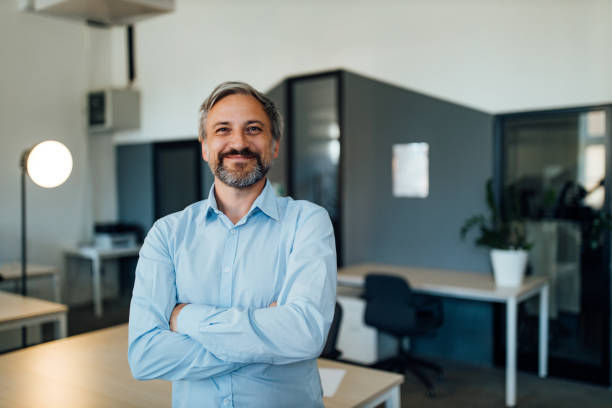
[(253, 129), (222, 130)]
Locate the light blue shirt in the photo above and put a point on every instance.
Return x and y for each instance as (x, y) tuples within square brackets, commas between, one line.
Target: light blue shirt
[(232, 350)]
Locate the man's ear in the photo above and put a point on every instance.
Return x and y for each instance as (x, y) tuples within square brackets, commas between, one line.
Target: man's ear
[(204, 150), (275, 149)]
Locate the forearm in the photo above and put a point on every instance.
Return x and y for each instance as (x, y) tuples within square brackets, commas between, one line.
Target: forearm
[(155, 352), (279, 335)]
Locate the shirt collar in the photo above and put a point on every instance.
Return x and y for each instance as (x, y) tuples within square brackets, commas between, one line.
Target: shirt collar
[(265, 202)]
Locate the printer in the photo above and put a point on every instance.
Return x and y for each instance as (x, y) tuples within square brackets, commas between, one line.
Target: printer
[(116, 235)]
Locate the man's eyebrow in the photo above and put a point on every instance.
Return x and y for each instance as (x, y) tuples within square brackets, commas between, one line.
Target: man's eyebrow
[(221, 123), (249, 122)]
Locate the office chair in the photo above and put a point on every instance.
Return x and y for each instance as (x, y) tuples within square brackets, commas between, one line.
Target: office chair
[(392, 307), (330, 351)]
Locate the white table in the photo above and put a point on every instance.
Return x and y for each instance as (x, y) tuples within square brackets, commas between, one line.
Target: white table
[(17, 311), (97, 256), (474, 286), (91, 370), (12, 271)]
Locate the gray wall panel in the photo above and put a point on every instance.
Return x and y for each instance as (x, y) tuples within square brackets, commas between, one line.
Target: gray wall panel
[(421, 232)]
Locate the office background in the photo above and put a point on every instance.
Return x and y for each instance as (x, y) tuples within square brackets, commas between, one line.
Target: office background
[(492, 57)]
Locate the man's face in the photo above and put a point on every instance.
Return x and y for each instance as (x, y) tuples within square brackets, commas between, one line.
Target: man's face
[(239, 147)]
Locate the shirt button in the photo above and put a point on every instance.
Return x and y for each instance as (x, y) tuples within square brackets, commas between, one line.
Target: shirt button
[(226, 269), (226, 402), (232, 232)]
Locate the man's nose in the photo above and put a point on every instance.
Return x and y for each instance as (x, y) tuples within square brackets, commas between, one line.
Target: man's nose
[(239, 140)]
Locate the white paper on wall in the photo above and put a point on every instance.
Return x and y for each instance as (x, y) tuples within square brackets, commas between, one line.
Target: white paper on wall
[(410, 170)]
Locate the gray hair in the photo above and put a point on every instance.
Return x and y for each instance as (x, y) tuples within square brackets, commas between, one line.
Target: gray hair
[(232, 88)]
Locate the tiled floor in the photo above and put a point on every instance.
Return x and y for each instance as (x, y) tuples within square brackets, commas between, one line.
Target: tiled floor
[(483, 387)]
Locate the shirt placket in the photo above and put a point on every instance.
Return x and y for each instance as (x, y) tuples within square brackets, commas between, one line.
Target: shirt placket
[(227, 279), (229, 258)]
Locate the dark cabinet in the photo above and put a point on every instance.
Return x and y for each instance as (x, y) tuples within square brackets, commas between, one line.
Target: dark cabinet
[(157, 179)]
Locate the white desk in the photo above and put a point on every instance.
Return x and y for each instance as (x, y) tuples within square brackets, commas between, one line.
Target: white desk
[(97, 256), (91, 370), (17, 311), (467, 285), (12, 271)]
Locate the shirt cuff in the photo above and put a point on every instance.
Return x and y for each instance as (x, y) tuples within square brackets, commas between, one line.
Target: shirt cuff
[(191, 317)]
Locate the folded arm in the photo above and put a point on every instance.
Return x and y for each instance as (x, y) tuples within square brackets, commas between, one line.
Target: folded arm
[(154, 351), (297, 327)]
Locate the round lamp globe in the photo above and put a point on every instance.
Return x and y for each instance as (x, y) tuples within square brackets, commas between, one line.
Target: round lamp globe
[(49, 163)]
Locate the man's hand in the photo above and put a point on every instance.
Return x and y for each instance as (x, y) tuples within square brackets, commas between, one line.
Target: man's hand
[(174, 316), (273, 304)]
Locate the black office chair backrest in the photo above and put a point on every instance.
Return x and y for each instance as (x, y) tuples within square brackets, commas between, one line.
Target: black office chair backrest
[(330, 351), (389, 304)]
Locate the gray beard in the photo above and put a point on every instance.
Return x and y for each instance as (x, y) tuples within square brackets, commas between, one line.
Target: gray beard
[(232, 180)]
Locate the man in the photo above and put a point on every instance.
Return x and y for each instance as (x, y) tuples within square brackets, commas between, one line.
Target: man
[(235, 294)]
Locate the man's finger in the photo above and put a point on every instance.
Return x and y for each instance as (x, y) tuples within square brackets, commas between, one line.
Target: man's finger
[(273, 304)]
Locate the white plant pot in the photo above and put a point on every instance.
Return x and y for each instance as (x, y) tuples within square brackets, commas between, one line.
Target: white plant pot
[(509, 266)]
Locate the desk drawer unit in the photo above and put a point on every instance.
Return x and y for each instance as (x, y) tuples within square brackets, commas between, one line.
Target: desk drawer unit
[(357, 341)]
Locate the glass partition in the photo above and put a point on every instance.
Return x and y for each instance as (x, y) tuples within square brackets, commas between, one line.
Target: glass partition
[(555, 162), (314, 140)]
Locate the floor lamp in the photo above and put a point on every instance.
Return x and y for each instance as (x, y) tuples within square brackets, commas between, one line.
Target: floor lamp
[(49, 165)]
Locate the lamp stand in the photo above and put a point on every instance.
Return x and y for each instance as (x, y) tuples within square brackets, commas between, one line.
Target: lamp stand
[(24, 258), (52, 164)]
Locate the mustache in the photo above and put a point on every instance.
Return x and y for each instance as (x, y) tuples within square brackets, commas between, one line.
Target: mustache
[(246, 152)]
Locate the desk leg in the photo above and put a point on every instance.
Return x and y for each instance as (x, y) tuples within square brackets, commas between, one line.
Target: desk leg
[(97, 286), (56, 288), (390, 399), (543, 352), (394, 398), (61, 328), (511, 324)]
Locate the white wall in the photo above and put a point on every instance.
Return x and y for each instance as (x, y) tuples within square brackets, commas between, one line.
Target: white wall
[(48, 65), (43, 80), (101, 146), (489, 54)]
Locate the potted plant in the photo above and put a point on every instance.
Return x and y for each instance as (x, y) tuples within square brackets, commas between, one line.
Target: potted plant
[(505, 235)]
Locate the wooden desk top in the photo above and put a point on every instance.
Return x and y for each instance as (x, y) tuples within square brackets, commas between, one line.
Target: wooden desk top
[(16, 307), (460, 284), (13, 270), (91, 370), (88, 370), (359, 385)]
